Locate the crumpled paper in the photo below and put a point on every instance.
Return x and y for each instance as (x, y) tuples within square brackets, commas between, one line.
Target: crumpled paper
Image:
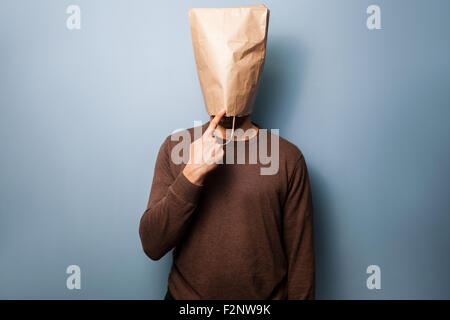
[(230, 49)]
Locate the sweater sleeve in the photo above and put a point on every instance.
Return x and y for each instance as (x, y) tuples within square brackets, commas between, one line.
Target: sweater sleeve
[(170, 206), (298, 235)]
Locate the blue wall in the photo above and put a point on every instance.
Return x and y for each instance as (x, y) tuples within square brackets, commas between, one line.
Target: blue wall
[(83, 113)]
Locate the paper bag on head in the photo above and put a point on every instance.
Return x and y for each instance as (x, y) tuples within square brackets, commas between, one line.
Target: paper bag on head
[(230, 49)]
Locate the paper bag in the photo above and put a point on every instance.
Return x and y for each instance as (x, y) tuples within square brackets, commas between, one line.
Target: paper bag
[(230, 49)]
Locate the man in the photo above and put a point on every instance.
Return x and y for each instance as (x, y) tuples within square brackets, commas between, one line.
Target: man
[(236, 233)]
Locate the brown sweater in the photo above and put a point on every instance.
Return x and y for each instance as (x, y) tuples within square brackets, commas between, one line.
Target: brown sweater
[(241, 235)]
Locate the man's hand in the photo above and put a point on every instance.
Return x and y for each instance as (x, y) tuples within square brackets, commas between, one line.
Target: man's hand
[(204, 153)]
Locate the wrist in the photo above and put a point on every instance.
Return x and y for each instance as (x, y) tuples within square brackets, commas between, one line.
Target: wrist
[(194, 174)]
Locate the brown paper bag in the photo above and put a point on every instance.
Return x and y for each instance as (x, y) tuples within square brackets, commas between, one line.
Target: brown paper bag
[(229, 48)]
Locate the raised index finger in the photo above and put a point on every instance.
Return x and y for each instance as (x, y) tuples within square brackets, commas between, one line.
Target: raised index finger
[(215, 121)]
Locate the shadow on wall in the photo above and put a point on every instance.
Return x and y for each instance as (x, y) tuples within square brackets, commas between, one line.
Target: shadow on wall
[(324, 233), (281, 83), (279, 96)]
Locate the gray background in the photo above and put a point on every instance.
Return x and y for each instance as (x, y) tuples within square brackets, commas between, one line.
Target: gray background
[(83, 113)]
